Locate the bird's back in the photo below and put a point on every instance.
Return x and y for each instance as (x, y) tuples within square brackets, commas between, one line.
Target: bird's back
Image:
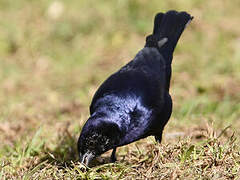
[(143, 77)]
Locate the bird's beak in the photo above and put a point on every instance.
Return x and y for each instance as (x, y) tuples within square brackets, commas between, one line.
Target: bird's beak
[(86, 158)]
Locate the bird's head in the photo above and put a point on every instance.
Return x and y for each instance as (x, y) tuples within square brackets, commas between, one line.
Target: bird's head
[(97, 137)]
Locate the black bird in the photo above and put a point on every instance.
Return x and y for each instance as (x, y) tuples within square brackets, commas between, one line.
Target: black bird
[(134, 102)]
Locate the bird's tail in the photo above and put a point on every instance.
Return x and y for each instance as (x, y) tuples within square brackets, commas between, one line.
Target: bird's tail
[(167, 29)]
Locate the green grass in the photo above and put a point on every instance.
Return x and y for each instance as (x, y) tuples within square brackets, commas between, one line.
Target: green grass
[(53, 56)]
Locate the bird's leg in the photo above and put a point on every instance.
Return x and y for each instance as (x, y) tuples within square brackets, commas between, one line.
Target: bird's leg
[(158, 138), (113, 156)]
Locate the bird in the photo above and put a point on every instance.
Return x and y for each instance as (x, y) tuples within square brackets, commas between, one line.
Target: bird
[(134, 102)]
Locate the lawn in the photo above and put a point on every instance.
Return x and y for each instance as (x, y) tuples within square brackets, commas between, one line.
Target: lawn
[(55, 54)]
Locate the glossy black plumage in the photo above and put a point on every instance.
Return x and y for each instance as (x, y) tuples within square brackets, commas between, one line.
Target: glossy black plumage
[(134, 102)]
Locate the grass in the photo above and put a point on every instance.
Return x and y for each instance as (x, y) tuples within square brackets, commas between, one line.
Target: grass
[(54, 55)]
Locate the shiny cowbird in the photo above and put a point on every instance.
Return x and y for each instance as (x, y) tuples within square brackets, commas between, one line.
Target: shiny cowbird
[(134, 102)]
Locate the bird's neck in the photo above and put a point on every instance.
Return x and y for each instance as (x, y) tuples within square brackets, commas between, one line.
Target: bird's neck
[(114, 110)]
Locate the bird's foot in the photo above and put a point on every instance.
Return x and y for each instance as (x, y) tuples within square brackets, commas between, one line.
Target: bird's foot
[(113, 156), (113, 159), (158, 138)]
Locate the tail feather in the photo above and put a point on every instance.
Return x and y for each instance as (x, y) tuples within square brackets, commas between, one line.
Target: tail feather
[(167, 30), (157, 20)]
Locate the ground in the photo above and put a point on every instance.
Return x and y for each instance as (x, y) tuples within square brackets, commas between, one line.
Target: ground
[(54, 55)]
